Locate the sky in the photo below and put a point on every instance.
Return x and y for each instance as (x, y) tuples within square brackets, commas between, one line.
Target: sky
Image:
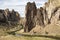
[(19, 5)]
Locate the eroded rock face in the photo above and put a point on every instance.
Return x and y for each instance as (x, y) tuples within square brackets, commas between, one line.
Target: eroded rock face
[(52, 7), (35, 16), (47, 17), (8, 17), (31, 11), (40, 17)]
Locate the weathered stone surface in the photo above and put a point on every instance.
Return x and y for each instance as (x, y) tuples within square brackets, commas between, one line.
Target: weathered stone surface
[(31, 11), (51, 7), (40, 17)]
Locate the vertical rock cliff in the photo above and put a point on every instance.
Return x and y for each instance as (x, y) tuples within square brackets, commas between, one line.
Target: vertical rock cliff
[(31, 11), (46, 18)]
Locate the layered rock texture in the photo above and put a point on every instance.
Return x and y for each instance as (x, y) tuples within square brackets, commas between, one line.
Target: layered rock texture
[(9, 17), (44, 19)]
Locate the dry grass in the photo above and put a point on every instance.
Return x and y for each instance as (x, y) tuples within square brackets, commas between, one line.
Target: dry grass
[(11, 37)]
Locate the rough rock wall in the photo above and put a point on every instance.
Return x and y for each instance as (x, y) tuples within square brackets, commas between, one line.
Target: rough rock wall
[(52, 6), (31, 11), (40, 16)]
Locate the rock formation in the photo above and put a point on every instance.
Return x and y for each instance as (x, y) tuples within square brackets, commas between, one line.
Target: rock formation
[(2, 16), (35, 16), (40, 17), (9, 17), (52, 7), (45, 16), (31, 11)]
